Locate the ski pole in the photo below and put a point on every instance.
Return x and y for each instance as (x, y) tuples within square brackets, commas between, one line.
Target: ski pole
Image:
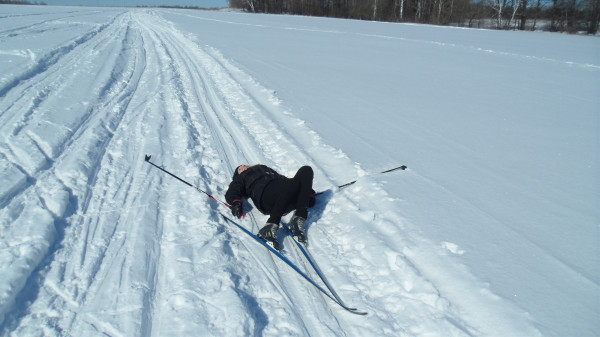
[(403, 167), (147, 158)]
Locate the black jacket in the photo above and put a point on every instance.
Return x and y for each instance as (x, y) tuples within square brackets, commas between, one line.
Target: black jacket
[(251, 184)]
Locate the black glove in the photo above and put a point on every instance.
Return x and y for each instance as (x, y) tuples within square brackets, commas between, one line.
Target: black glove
[(236, 208)]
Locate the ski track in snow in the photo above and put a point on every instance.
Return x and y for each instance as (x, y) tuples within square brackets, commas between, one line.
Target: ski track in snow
[(101, 243)]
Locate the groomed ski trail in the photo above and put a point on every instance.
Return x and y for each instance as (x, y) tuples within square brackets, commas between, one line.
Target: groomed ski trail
[(128, 251), (211, 95), (116, 213)]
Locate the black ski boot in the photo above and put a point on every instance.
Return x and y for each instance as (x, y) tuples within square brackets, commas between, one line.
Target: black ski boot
[(297, 228), (269, 235)]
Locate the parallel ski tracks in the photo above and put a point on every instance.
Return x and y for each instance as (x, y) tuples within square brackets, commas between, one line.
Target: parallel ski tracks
[(50, 78), (88, 141), (149, 61), (217, 95)]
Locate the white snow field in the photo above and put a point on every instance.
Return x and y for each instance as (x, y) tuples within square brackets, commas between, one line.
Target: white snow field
[(493, 230)]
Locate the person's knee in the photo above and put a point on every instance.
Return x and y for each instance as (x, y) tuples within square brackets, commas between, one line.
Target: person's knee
[(306, 171)]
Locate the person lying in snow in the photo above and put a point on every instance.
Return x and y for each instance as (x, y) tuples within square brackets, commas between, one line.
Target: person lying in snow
[(275, 195)]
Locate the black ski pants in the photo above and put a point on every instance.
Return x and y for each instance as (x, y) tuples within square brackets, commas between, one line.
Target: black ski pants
[(282, 196)]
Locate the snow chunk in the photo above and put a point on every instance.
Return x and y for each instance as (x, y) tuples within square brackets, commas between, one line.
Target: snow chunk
[(26, 153), (452, 248), (11, 178), (54, 195)]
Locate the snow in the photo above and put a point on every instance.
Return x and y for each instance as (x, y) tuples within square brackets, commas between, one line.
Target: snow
[(493, 230)]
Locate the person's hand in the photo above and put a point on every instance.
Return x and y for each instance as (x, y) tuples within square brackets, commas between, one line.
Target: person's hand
[(237, 208)]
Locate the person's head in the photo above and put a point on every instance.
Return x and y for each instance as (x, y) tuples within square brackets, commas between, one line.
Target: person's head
[(240, 169)]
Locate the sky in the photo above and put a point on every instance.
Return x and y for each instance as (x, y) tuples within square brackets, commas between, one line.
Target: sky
[(129, 3)]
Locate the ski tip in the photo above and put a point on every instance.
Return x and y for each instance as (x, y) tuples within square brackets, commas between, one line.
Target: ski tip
[(148, 157), (403, 167)]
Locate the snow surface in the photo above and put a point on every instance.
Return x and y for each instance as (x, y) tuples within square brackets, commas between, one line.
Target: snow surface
[(493, 230)]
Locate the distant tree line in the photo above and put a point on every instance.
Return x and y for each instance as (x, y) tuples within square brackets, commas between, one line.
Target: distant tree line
[(177, 7), (554, 15), (21, 2)]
